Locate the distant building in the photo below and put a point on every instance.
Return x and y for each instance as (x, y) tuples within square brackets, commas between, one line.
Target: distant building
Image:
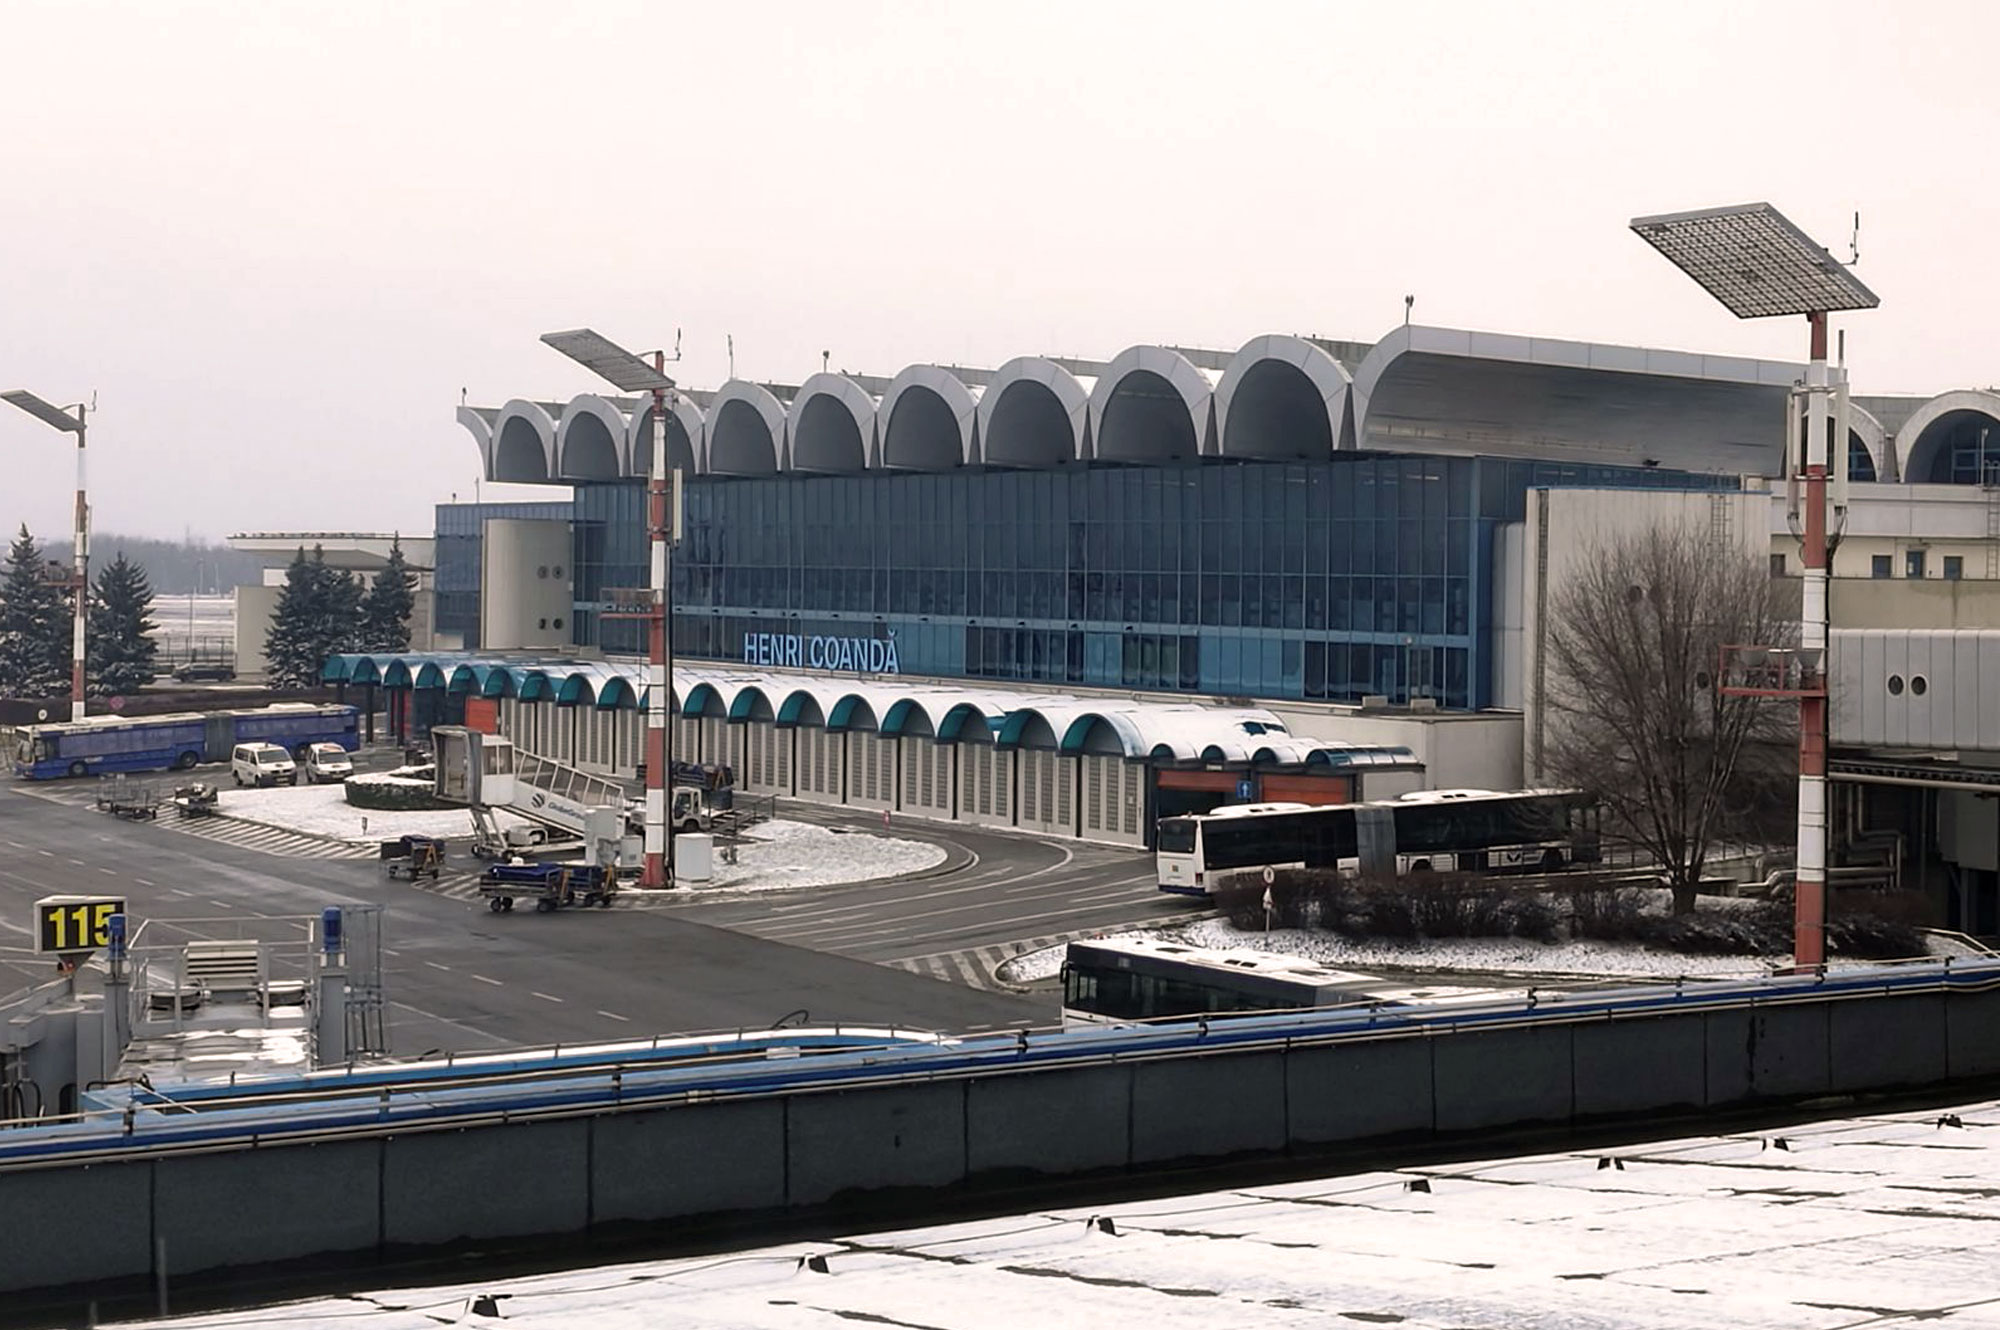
[(362, 553)]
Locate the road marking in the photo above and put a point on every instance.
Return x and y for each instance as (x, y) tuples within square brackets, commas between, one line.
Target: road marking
[(108, 872), (178, 892), (390, 951), (17, 845), (142, 881), (484, 980), (435, 966), (46, 854), (615, 1016), (220, 905), (546, 997), (78, 862)]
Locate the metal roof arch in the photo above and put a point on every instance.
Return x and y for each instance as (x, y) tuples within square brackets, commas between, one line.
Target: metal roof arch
[(935, 382), (1016, 385), (1194, 387), (1910, 436), (829, 392), (586, 422), (524, 443), (746, 431), (1328, 379)]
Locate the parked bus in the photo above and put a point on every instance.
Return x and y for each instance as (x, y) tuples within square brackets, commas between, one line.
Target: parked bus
[(1118, 981), (1138, 979), (101, 745), (1444, 831)]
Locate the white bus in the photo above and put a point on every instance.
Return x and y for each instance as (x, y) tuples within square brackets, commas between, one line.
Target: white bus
[(1441, 831), (1121, 981)]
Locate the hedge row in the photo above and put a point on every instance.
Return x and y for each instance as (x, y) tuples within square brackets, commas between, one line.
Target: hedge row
[(1874, 928)]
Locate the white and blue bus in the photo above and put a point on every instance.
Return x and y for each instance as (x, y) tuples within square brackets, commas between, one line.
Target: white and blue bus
[(1427, 831), (101, 745)]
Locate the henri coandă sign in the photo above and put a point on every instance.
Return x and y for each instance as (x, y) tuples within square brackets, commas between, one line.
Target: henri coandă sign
[(855, 655)]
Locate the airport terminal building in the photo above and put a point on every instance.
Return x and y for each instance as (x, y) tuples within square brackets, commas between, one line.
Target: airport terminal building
[(1225, 574)]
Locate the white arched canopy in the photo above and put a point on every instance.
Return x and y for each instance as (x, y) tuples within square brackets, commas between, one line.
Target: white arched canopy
[(746, 430), (590, 440), (832, 425), (928, 420), (1282, 398), (1034, 413), (1966, 422), (686, 433), (524, 442), (1150, 405)]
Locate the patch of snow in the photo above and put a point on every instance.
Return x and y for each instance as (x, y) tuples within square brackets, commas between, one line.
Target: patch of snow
[(1874, 1220), (323, 810), (780, 854), (1492, 955)]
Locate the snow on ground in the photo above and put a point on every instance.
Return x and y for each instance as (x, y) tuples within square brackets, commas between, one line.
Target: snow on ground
[(323, 810), (772, 855), (800, 854), (1872, 1221), (1492, 955)]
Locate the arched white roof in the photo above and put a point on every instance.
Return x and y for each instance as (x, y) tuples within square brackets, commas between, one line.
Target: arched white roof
[(1874, 438), (1195, 387), (522, 428), (1255, 361), (1985, 402), (830, 392), (745, 419), (589, 420), (962, 402), (1043, 378), (639, 439)]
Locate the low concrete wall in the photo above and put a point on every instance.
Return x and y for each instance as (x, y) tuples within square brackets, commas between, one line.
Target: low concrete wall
[(76, 1225)]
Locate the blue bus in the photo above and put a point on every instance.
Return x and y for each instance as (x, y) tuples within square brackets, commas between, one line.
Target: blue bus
[(105, 744)]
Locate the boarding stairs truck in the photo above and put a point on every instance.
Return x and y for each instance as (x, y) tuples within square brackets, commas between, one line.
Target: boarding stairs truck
[(488, 774)]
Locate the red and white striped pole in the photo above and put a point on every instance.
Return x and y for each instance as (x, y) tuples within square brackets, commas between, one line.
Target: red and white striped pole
[(659, 869), (80, 577), (1809, 892)]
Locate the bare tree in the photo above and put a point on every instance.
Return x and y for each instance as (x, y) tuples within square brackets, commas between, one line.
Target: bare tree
[(1632, 708)]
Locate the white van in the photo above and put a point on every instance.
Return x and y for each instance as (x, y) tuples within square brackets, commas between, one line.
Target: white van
[(262, 764), (326, 764)]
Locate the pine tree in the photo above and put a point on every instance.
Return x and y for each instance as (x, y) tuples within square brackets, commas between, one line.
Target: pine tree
[(35, 625), (385, 613), (121, 646), (318, 614)]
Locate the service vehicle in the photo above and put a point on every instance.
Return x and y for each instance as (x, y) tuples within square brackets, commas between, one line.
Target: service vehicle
[(326, 764), (262, 765)]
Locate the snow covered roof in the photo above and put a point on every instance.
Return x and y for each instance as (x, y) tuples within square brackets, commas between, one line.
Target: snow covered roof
[(1870, 1220), (1164, 732)]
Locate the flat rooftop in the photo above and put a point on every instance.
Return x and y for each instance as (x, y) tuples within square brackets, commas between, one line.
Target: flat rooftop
[(1880, 1220)]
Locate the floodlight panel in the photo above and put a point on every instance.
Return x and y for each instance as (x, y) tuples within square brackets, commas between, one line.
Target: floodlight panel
[(53, 415), (608, 360), (1754, 261)]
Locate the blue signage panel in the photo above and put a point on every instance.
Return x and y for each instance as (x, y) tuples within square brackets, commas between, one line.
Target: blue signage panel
[(854, 655)]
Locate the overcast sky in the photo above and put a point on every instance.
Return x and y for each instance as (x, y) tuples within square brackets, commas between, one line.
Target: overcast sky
[(277, 239)]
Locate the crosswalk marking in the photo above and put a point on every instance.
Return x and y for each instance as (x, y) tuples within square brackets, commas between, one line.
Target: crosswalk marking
[(978, 967), (232, 831)]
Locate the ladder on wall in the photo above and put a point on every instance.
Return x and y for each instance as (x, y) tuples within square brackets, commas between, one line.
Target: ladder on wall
[(1721, 513), (1992, 488)]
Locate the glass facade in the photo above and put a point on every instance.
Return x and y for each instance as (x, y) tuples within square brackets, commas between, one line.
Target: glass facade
[(1362, 574), (460, 551)]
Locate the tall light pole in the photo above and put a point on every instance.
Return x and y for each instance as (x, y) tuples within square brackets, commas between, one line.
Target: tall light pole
[(79, 582), (1758, 265), (628, 373)]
